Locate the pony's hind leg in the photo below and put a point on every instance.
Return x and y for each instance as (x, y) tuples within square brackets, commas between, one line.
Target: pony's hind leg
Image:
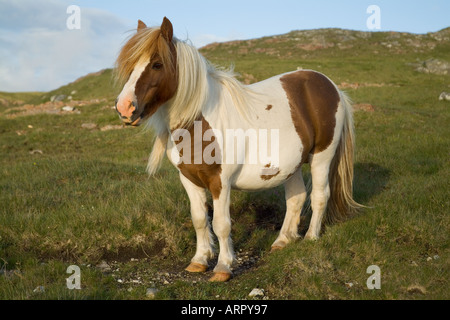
[(199, 213), (295, 193), (320, 167)]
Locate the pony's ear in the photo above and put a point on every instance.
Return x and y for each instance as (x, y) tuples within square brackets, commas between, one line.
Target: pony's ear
[(141, 25), (167, 30)]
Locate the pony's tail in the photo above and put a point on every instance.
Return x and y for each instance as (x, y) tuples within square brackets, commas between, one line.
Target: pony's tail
[(341, 204), (157, 154)]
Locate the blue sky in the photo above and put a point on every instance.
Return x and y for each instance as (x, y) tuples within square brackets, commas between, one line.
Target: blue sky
[(38, 52), (255, 18)]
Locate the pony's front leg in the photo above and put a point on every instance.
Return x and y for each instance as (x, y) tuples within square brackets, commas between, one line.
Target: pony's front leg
[(199, 213), (222, 228)]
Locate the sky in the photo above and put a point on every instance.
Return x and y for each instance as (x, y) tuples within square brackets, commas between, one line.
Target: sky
[(42, 46)]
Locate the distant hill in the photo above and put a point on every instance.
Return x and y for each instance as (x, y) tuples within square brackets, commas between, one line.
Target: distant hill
[(257, 59)]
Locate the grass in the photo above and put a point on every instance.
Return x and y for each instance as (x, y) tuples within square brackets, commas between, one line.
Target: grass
[(87, 197)]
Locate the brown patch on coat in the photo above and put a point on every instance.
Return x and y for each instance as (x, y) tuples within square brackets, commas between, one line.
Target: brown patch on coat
[(269, 106), (313, 100), (267, 169), (155, 86), (270, 176), (202, 175)]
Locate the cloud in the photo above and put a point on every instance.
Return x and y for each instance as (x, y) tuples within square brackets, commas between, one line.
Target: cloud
[(39, 53)]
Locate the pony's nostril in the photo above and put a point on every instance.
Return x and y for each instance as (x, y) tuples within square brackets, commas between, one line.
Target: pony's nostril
[(135, 111)]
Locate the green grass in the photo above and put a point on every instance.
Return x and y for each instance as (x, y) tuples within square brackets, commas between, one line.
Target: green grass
[(87, 197)]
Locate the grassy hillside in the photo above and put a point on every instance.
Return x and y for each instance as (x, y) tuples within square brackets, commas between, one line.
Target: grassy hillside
[(74, 195)]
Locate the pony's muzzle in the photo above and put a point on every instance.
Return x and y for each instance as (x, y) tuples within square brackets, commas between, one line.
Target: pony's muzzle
[(128, 112)]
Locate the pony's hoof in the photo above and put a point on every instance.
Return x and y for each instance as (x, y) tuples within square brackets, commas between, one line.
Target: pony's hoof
[(311, 237), (275, 248), (220, 277), (196, 267)]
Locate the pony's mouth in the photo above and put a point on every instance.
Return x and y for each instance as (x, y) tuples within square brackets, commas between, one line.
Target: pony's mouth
[(134, 123)]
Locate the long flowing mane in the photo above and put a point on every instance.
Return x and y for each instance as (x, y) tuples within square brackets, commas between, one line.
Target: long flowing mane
[(199, 81)]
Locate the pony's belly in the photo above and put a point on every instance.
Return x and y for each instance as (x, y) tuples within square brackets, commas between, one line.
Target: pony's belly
[(257, 177), (246, 184)]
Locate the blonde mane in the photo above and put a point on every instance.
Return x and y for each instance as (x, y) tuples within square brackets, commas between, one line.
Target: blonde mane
[(200, 86), (142, 46), (199, 83)]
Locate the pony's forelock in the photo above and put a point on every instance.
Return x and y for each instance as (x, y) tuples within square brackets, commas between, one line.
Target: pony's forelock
[(142, 46)]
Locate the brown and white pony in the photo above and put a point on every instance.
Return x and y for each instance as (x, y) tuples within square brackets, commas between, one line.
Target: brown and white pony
[(198, 111)]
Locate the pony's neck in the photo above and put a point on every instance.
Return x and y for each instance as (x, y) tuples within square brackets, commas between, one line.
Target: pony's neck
[(193, 87), (201, 88)]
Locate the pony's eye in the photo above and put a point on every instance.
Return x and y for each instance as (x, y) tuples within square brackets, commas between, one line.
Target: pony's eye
[(157, 66)]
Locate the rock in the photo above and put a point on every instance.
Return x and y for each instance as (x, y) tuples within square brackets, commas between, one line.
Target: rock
[(73, 92), (68, 108), (89, 126), (444, 96), (104, 267), (39, 289), (256, 293), (112, 127), (36, 151), (59, 97), (434, 66), (416, 289), (349, 284), (151, 293)]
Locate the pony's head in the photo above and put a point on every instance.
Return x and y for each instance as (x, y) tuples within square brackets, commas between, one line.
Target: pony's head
[(147, 65)]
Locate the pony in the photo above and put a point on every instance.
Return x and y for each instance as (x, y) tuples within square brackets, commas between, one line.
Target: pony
[(198, 111)]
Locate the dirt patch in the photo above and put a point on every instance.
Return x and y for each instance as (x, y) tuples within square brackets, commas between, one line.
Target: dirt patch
[(169, 273), (50, 107), (357, 85), (367, 107), (123, 254)]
